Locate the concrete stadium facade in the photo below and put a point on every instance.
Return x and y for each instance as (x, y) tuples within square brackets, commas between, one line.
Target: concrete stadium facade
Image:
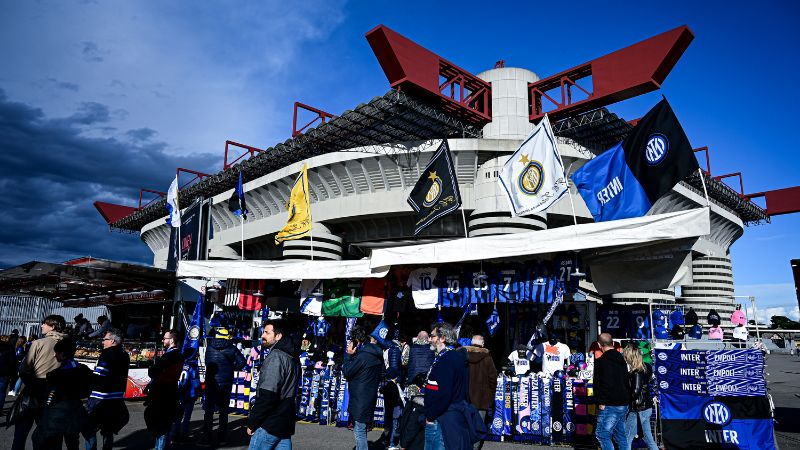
[(359, 196)]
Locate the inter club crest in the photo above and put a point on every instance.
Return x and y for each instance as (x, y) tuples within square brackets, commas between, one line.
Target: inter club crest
[(434, 191), (194, 332), (656, 149), (531, 178)]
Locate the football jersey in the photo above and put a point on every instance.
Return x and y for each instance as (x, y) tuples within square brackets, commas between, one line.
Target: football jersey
[(374, 296), (320, 327), (522, 364), (553, 356), (509, 285), (542, 285), (478, 287), (423, 288), (452, 292), (613, 321), (565, 266), (638, 322), (343, 299), (311, 297)]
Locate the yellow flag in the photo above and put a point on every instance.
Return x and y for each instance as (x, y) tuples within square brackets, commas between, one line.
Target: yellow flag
[(299, 223)]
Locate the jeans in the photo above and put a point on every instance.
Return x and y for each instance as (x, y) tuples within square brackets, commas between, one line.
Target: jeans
[(360, 433), (162, 441), (611, 422), (18, 385), (262, 440), (394, 436), (644, 418), (91, 440), (219, 396), (21, 430), (433, 436), (4, 382)]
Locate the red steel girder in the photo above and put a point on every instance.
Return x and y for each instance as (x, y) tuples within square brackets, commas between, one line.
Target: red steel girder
[(321, 116), (708, 159), (410, 67), (780, 201), (112, 212), (623, 74), (141, 197), (197, 176), (734, 174), (250, 150)]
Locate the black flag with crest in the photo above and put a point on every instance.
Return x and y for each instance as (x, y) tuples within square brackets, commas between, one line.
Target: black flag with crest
[(436, 192)]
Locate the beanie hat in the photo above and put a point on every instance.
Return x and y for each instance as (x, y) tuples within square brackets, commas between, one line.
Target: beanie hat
[(677, 332), (713, 317), (676, 317), (691, 317), (738, 318)]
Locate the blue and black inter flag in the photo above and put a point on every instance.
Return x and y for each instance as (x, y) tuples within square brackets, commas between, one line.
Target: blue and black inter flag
[(436, 193), (236, 203), (628, 178)]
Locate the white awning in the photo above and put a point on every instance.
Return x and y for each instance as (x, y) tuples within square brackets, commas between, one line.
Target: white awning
[(639, 230), (279, 270)]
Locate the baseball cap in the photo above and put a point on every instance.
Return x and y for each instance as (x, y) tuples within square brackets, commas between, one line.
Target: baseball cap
[(740, 333), (713, 317), (677, 332), (676, 317), (658, 316), (222, 333), (691, 317), (696, 332), (738, 317), (715, 332)]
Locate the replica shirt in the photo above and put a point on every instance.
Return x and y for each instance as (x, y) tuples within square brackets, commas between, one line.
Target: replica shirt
[(613, 321), (522, 364), (311, 297), (638, 323), (509, 285), (478, 286), (343, 299), (374, 296), (320, 327), (423, 289), (542, 285), (452, 292), (553, 356), (565, 266)]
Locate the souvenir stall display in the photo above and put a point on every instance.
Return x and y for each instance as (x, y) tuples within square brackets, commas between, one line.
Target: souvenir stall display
[(142, 355)]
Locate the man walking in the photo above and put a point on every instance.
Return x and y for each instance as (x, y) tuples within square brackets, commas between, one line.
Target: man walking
[(272, 416), (362, 369), (222, 359), (612, 395), (39, 361), (482, 378), (106, 405), (163, 407), (451, 422)]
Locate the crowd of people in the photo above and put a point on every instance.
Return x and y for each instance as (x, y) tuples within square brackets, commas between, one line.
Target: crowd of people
[(438, 389)]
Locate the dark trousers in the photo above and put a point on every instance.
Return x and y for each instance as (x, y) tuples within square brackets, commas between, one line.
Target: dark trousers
[(216, 396)]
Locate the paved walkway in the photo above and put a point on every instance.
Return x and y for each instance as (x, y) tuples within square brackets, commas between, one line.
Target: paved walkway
[(783, 375)]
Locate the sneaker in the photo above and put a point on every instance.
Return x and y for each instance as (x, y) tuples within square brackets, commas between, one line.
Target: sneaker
[(12, 393)]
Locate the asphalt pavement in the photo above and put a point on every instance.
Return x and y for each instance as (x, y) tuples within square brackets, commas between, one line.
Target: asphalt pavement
[(783, 374)]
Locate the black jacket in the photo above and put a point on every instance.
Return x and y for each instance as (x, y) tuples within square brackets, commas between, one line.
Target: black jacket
[(611, 386), (8, 360), (222, 359), (420, 357), (363, 373), (640, 389), (412, 425), (162, 405), (107, 410), (274, 406)]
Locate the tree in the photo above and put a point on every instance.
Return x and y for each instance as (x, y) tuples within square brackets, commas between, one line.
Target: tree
[(783, 323)]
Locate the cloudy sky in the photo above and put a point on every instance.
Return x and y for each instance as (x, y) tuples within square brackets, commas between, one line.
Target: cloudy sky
[(100, 99)]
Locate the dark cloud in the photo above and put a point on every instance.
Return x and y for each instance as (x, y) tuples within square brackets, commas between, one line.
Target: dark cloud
[(58, 84), (52, 173), (91, 52)]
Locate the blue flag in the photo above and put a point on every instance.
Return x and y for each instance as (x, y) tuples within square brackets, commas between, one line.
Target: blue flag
[(493, 321), (196, 331), (236, 203), (627, 179)]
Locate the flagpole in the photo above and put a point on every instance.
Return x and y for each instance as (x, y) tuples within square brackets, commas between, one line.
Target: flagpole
[(241, 219), (569, 193), (703, 181), (311, 235), (464, 219)]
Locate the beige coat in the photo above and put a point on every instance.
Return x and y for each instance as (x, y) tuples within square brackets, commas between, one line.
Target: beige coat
[(41, 359)]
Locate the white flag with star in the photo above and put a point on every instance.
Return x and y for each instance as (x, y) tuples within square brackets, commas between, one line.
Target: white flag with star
[(533, 177)]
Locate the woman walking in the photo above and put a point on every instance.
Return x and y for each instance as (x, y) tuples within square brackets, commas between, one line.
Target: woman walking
[(641, 407)]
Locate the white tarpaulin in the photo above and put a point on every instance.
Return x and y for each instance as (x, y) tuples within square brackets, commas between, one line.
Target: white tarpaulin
[(279, 270), (639, 230)]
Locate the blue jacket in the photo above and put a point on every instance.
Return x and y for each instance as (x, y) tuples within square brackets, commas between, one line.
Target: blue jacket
[(363, 373), (448, 383), (222, 359), (420, 357), (461, 426)]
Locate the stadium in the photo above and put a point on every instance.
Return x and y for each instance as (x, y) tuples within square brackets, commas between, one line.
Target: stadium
[(363, 163)]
